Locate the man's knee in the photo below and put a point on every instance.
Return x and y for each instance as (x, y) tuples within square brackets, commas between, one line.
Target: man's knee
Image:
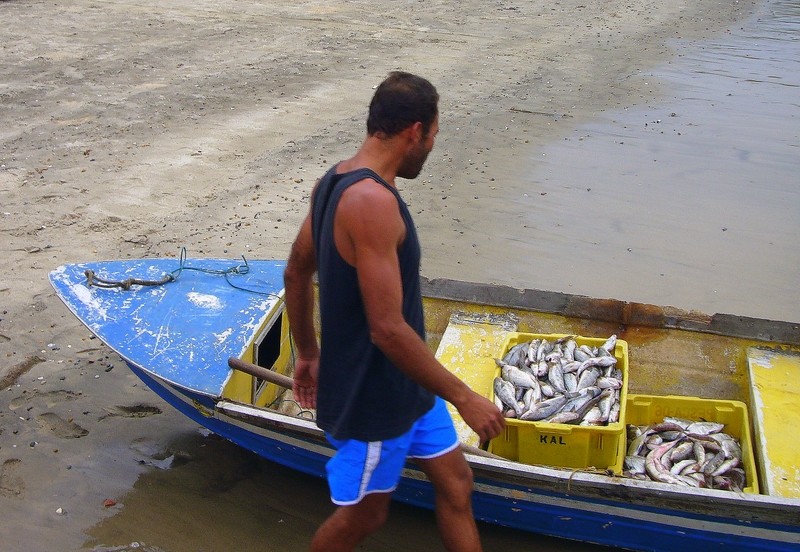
[(456, 486), (374, 518), (463, 482), (370, 514), (463, 477)]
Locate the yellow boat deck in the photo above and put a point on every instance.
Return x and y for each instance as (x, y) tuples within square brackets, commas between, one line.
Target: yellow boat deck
[(776, 419), (468, 348)]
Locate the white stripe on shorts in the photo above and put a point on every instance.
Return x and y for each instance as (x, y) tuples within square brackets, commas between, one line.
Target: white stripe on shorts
[(373, 457)]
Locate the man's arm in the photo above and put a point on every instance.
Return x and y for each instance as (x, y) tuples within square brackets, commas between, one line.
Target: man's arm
[(299, 295), (369, 230)]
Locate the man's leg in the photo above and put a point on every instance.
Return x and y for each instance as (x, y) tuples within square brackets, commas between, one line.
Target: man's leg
[(452, 480), (349, 525)]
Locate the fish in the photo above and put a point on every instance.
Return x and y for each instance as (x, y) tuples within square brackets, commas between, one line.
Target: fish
[(699, 452), (686, 452), (528, 398), (602, 361), (635, 464), (577, 401), (713, 461), (580, 355), (593, 412), (677, 421), (516, 376), (593, 417), (563, 418), (533, 346), (655, 468), (570, 382), (682, 451), (613, 418), (730, 447), (571, 366), (725, 467), (542, 350), (498, 403), (610, 345), (544, 409), (607, 382), (704, 428), (555, 355), (680, 467), (585, 349), (587, 378), (569, 348), (517, 354), (504, 390), (555, 380), (605, 403)]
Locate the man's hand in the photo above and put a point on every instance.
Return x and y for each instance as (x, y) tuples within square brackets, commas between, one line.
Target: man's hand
[(305, 382), (483, 416)]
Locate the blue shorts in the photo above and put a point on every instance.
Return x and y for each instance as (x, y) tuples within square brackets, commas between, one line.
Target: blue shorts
[(359, 468)]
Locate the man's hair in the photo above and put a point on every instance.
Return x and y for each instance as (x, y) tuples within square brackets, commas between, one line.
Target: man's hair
[(401, 100)]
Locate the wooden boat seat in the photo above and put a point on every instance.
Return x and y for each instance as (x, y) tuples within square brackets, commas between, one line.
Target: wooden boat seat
[(468, 348), (775, 403)]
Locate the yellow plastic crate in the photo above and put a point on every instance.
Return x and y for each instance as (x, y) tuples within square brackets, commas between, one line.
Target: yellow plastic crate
[(563, 445), (652, 409)]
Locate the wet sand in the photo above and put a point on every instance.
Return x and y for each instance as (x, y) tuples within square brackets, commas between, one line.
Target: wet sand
[(135, 129)]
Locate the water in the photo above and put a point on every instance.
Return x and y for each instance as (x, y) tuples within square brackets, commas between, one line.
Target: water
[(710, 221), (692, 200)]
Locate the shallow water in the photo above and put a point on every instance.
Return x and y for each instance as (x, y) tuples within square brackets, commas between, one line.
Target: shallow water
[(691, 201), (220, 496), (709, 221)]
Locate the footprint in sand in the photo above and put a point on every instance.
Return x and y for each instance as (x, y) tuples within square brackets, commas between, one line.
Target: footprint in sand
[(134, 411), (11, 484), (66, 429), (51, 398)]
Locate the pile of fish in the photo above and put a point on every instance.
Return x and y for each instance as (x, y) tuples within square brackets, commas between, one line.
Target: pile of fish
[(560, 382), (683, 452)]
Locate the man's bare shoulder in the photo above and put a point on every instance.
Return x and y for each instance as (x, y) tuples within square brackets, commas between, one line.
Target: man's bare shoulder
[(368, 193), (368, 212)]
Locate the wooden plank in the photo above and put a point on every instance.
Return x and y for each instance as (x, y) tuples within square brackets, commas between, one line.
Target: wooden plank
[(776, 418)]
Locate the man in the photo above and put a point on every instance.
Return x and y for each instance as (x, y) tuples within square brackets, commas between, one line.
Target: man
[(376, 385)]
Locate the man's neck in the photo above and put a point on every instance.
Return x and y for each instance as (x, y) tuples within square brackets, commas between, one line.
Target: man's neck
[(381, 156)]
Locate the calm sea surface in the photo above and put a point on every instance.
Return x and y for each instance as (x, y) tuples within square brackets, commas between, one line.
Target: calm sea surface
[(702, 192), (691, 199)]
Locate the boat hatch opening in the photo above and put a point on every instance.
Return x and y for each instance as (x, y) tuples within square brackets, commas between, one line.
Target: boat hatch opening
[(268, 348), (272, 350)]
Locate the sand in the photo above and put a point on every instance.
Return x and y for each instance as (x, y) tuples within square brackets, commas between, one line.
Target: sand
[(134, 129)]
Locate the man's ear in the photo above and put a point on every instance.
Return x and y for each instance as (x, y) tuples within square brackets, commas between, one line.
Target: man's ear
[(415, 132)]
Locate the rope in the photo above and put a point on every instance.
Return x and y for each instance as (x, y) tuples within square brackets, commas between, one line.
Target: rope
[(240, 269), (97, 281), (590, 469)]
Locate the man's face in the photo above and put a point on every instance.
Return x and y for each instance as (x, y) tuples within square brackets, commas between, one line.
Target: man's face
[(414, 161)]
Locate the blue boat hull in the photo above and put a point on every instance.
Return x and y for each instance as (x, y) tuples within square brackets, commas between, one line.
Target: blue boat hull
[(504, 503)]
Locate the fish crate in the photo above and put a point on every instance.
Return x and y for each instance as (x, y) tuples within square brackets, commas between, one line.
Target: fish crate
[(565, 445), (652, 409)]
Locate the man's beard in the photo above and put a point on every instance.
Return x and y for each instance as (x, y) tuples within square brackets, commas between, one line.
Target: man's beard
[(412, 165)]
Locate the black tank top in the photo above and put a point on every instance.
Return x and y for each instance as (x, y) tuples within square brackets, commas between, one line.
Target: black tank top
[(361, 395)]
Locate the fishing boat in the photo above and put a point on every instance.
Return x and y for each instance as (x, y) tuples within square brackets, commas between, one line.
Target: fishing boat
[(211, 337)]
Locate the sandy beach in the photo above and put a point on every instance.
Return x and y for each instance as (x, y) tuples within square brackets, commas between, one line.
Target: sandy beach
[(134, 129)]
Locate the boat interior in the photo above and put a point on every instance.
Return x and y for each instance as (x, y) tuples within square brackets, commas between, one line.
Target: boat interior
[(737, 371)]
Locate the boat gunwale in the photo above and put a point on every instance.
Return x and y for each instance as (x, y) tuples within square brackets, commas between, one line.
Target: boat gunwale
[(612, 310)]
